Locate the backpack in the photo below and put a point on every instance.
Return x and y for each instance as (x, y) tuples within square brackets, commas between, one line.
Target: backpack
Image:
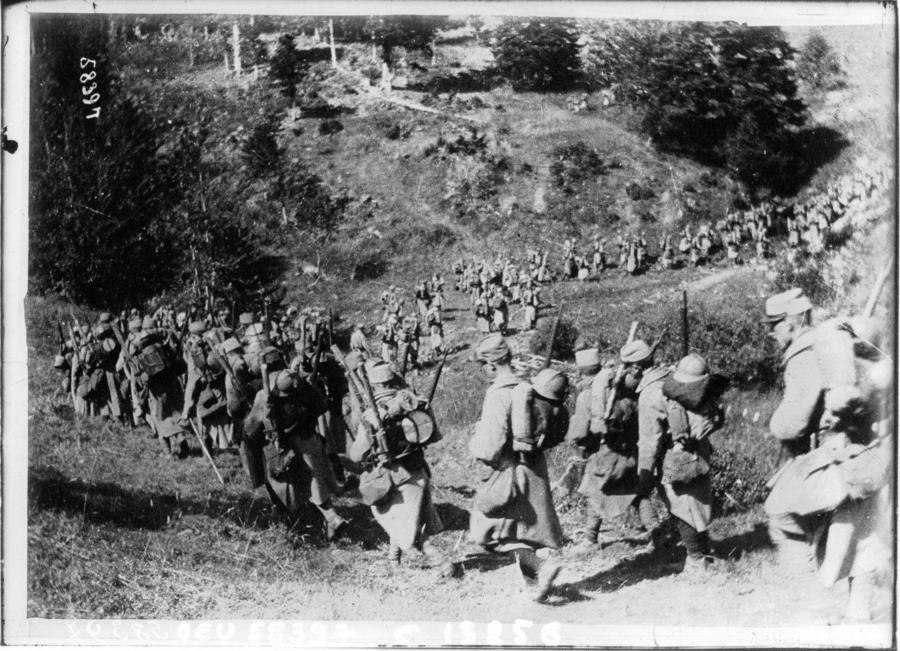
[(537, 423), (197, 350), (154, 356), (406, 423)]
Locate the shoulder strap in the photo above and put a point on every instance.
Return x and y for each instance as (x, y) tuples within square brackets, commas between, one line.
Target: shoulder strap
[(677, 417)]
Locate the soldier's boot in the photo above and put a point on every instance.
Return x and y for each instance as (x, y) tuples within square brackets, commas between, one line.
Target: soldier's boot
[(333, 522), (337, 467), (859, 604), (590, 537), (549, 570), (696, 565)]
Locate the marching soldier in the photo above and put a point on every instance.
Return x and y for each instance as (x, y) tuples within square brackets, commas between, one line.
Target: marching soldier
[(358, 341), (403, 505), (282, 450), (160, 371), (605, 427), (834, 487), (513, 509), (389, 340)]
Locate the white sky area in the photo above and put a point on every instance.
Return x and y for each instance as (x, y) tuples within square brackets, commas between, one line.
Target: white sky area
[(754, 13)]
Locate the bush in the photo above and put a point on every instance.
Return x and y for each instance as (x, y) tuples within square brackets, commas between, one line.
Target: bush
[(575, 163), (261, 151), (818, 65), (563, 344), (738, 481), (537, 54), (329, 127), (285, 68), (724, 94)]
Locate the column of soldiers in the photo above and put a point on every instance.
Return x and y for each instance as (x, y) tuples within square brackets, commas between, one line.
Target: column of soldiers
[(741, 236), (303, 420), (645, 428), (493, 286), (640, 427), (402, 334)]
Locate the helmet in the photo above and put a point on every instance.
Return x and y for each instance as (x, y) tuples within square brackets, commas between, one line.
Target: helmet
[(550, 384), (634, 352), (692, 368)]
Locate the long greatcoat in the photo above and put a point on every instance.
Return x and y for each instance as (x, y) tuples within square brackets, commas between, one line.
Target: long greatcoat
[(690, 502), (845, 483), (407, 512), (530, 519), (610, 477)]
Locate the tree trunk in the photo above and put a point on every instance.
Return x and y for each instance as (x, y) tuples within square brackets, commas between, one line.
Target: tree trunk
[(227, 67), (191, 53), (331, 42), (236, 37)]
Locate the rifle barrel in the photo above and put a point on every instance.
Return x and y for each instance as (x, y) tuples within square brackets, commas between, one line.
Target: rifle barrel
[(437, 377), (547, 357)]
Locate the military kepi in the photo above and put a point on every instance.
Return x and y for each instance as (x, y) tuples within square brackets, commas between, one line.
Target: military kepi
[(587, 358), (634, 352), (492, 348), (786, 304)]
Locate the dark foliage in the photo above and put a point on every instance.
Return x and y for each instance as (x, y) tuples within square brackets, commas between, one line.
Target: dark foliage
[(161, 196), (463, 81), (410, 32), (96, 184), (724, 94), (563, 344), (286, 67), (261, 152), (818, 64), (537, 54), (575, 163), (329, 127), (738, 481), (733, 342), (319, 108)]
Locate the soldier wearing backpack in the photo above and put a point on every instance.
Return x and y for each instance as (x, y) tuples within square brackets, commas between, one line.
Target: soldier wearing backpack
[(396, 482), (513, 509), (205, 395), (160, 371), (677, 412), (608, 443), (283, 452), (831, 501)]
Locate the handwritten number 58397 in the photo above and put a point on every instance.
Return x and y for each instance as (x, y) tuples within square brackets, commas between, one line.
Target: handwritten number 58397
[(85, 78)]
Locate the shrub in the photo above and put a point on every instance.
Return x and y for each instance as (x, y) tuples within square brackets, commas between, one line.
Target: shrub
[(738, 481), (563, 344), (329, 127), (537, 54), (575, 163), (721, 93), (260, 151), (285, 68), (308, 199), (818, 65)]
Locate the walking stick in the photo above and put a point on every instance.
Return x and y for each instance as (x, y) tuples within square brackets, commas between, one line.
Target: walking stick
[(205, 451)]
